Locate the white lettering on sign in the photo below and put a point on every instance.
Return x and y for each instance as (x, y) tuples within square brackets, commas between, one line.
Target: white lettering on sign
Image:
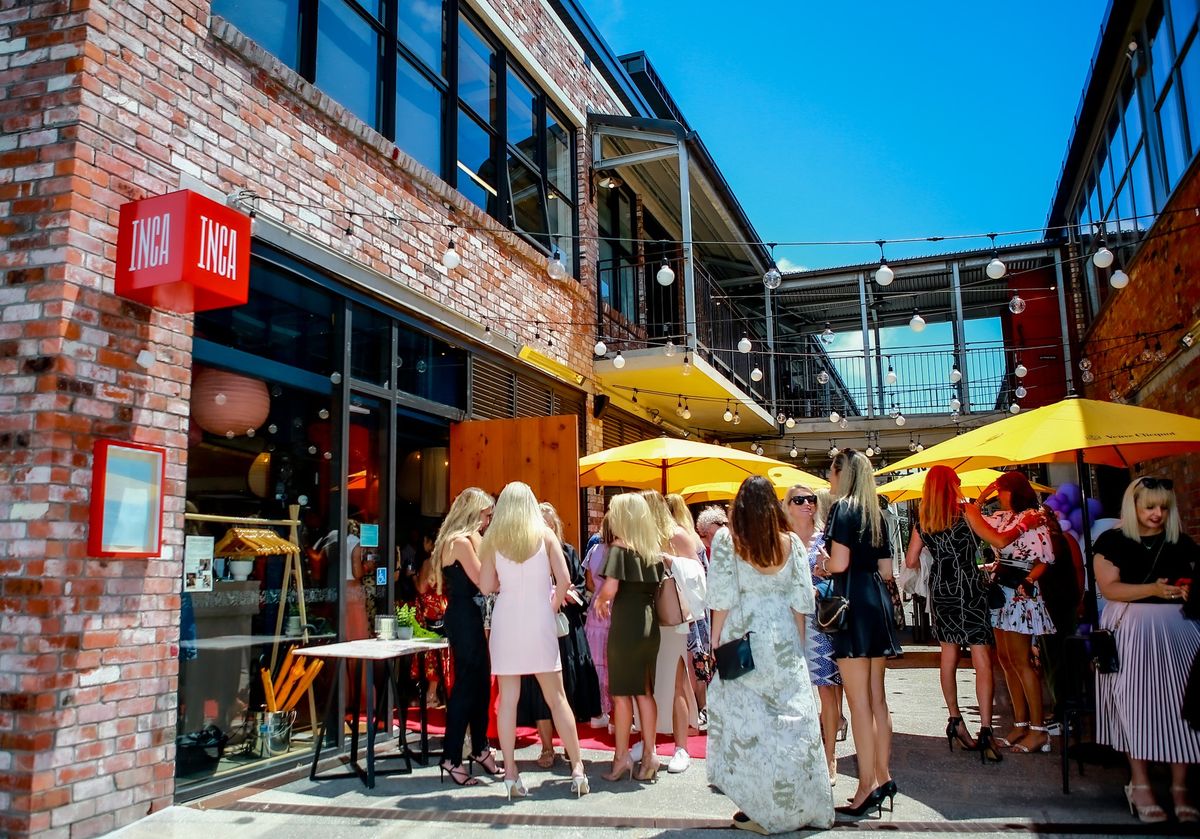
[(151, 242), (218, 248)]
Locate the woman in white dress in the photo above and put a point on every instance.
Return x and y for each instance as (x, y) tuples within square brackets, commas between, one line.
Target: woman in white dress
[(517, 557), (764, 734)]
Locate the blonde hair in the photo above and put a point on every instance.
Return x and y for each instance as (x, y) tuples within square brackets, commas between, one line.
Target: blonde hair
[(606, 534), (825, 499), (1158, 497), (552, 519), (856, 485), (631, 521), (680, 512), (941, 499), (517, 526), (463, 519), (660, 513)]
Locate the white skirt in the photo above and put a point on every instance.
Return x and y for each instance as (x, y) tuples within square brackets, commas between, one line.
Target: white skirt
[(1026, 615), (1139, 709)]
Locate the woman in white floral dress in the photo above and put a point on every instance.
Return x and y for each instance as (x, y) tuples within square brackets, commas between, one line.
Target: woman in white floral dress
[(764, 735)]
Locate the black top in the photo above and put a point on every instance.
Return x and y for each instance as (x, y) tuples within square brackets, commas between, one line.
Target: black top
[(457, 584), (845, 526), (1153, 558), (870, 632)]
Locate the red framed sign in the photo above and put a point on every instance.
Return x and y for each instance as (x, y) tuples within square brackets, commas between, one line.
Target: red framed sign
[(127, 500)]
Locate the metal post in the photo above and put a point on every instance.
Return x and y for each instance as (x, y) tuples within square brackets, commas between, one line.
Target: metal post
[(866, 342), (767, 307), (960, 349), (689, 273), (1090, 611), (1062, 318)]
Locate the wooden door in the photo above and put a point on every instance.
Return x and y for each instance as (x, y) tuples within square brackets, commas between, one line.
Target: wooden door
[(541, 451)]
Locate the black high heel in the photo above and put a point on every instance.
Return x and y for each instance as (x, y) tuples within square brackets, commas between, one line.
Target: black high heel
[(953, 734), (888, 790), (460, 774), (986, 744), (487, 762), (874, 801)]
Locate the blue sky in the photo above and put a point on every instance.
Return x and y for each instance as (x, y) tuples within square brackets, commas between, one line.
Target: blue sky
[(873, 120)]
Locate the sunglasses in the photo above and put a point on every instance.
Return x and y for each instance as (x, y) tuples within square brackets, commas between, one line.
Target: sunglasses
[(1157, 483), (802, 499)]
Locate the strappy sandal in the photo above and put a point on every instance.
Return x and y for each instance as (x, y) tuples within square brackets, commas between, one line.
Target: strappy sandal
[(487, 762), (1185, 813), (1150, 813), (1008, 741), (546, 758), (1023, 748)]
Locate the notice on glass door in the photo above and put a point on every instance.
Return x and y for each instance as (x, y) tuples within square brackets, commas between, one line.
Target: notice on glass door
[(198, 563)]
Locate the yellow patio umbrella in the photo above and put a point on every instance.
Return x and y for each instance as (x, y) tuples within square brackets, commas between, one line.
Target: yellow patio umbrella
[(1103, 432), (669, 464), (782, 477), (911, 487)]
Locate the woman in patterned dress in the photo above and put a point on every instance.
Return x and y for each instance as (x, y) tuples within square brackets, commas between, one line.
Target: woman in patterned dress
[(960, 611), (1023, 541), (800, 507)]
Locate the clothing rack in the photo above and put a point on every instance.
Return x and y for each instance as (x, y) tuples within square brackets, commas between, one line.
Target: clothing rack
[(291, 570)]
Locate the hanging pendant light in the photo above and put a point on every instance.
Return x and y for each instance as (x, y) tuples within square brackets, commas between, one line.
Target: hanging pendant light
[(955, 404), (900, 420), (687, 365), (1119, 279), (890, 378), (1103, 257), (917, 323), (728, 415), (790, 422), (619, 361), (772, 278), (794, 453), (665, 275), (884, 275), (822, 378), (669, 348), (834, 416), (744, 345), (996, 269), (827, 333), (955, 375), (737, 416), (451, 258), (554, 265), (1020, 392), (756, 375), (1020, 371), (1017, 304), (601, 348), (687, 411)]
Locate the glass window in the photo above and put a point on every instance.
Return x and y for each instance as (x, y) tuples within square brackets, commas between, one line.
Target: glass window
[(528, 201), (562, 216), (522, 121), (476, 72), (273, 24), (348, 53), (476, 163), (1132, 120), (1189, 71), (1124, 208), (560, 163), (430, 369), (1183, 18), (1139, 176), (370, 345), (418, 116), (1161, 57), (1116, 148), (1171, 126), (420, 24)]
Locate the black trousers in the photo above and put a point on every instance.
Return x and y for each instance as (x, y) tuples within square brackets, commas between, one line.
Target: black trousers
[(470, 696)]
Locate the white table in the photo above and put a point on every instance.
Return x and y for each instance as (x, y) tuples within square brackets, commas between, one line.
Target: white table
[(366, 652)]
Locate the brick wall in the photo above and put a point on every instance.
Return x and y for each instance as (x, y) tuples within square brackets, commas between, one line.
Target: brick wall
[(1163, 295), (102, 103)]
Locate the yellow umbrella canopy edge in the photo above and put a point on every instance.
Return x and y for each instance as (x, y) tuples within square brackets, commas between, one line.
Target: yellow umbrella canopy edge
[(912, 487), (669, 464)]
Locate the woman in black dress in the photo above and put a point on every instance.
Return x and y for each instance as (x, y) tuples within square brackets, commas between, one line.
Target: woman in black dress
[(456, 568), (960, 610), (860, 558)]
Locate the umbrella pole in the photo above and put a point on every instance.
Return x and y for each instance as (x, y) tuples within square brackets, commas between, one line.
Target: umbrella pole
[(1089, 599), (663, 472)]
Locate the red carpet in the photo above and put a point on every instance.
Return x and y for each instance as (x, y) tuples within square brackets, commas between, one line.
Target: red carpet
[(589, 738)]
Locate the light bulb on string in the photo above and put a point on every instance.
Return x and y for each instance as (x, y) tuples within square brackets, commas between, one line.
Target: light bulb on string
[(1020, 371), (772, 278), (1119, 279), (804, 460), (756, 375), (955, 375), (917, 323), (781, 418), (1014, 408), (687, 365), (451, 258), (669, 348), (728, 415), (635, 396), (665, 275), (843, 422), (601, 348), (790, 422), (487, 333), (822, 378), (834, 451), (744, 345), (687, 411), (884, 275), (920, 448), (1017, 304), (737, 416), (1103, 257), (1087, 377), (1159, 353), (1020, 392), (679, 405), (996, 269), (912, 444), (1085, 363), (619, 361), (834, 416), (955, 404), (827, 333), (794, 453), (554, 265), (869, 452), (900, 420), (890, 378)]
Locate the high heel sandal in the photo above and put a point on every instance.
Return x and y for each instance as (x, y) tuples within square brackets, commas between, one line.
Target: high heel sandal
[(461, 775), (579, 784), (964, 739), (888, 790), (873, 801), (1146, 813), (1023, 748), (515, 788), (1185, 813), (841, 732), (648, 768), (986, 745), (620, 768), (546, 758), (1007, 741), (487, 762)]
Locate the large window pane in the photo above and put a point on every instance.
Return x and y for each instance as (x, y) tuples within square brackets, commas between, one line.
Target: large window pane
[(476, 72), (476, 163), (560, 163), (273, 24), (528, 202), (1183, 17), (562, 216), (1189, 69), (370, 345), (1174, 153), (419, 23), (418, 116), (1161, 57), (522, 123), (1132, 120), (1116, 148), (1139, 174), (348, 59)]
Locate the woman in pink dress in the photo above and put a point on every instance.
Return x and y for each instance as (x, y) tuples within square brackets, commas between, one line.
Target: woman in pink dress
[(522, 559)]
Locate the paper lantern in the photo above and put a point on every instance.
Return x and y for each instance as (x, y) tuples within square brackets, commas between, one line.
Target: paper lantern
[(224, 402), (259, 475)]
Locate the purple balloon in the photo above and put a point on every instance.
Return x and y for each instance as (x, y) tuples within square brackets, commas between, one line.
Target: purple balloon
[(1076, 519), (1065, 525), (1054, 503), (1071, 493), (1094, 508)]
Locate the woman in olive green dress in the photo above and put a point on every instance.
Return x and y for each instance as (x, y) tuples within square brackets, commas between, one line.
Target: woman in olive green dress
[(633, 568)]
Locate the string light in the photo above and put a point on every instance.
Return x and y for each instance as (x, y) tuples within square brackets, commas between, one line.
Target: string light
[(728, 415), (687, 411), (890, 378), (554, 265), (1103, 257), (834, 451), (996, 269), (955, 404), (955, 375), (687, 365), (1020, 371), (884, 275), (619, 361), (834, 416), (756, 375), (601, 348), (744, 345), (790, 422), (737, 416), (822, 378), (827, 334), (1020, 392), (669, 349), (1017, 304), (917, 323), (772, 278), (451, 258), (900, 420), (665, 275), (1014, 408), (1119, 279)]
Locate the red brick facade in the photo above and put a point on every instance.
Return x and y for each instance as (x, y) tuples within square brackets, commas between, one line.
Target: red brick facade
[(1163, 296), (103, 103)]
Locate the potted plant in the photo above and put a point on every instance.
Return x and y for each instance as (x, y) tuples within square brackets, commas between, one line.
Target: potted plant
[(406, 622)]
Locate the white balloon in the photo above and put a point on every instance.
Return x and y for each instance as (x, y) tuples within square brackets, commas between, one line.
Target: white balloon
[(1101, 525)]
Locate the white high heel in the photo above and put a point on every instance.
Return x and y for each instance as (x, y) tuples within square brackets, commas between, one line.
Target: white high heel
[(515, 788), (580, 785)]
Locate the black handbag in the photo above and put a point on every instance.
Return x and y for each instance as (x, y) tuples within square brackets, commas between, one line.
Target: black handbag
[(1102, 644), (833, 610), (734, 658)]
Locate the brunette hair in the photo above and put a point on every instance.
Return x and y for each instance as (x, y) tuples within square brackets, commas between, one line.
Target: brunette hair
[(756, 523), (1021, 494), (941, 499)]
